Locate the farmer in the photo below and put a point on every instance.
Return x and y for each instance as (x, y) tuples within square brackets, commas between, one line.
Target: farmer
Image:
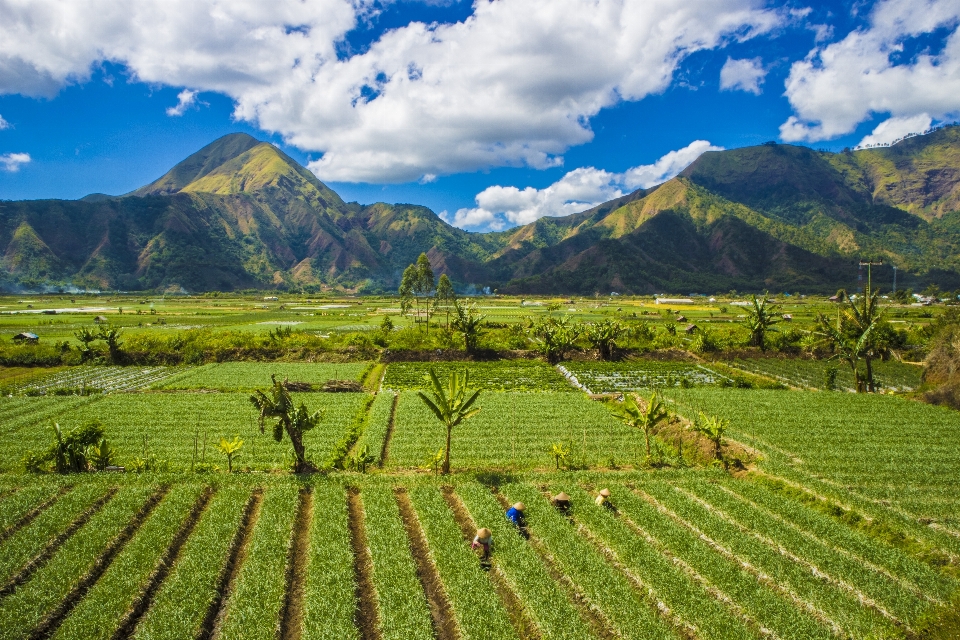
[(561, 502), (515, 515), (603, 500), (483, 541)]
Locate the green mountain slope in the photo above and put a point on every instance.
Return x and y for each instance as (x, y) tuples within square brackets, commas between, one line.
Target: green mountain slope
[(240, 213)]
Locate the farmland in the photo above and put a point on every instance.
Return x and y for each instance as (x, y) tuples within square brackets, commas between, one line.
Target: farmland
[(855, 539), (812, 374)]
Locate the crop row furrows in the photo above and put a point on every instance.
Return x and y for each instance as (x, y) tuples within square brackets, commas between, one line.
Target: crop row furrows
[(775, 613), (32, 514), (366, 594), (910, 585), (547, 599), (631, 614), (391, 422), (783, 550), (695, 576), (520, 618), (228, 575), (764, 578), (51, 547), (292, 612), (53, 619), (441, 613), (689, 606), (144, 599), (814, 587)]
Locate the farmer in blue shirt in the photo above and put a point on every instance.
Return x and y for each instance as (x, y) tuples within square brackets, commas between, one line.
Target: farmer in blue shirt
[(516, 517)]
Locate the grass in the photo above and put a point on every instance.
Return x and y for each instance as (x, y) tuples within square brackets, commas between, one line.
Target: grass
[(510, 375), (247, 376)]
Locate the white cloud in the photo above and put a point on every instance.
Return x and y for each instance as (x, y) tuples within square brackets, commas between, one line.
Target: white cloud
[(514, 84), (4, 124), (745, 75), (12, 161), (185, 99), (839, 86), (576, 191), (895, 128)]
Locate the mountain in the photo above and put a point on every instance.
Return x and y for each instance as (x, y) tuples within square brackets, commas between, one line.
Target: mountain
[(240, 213)]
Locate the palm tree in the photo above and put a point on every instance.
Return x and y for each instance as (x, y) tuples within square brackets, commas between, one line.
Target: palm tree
[(451, 405), (760, 319), (644, 419), (293, 421), (848, 348), (866, 319)]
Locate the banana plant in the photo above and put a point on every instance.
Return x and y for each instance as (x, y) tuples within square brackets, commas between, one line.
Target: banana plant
[(231, 449), (645, 419), (451, 404)]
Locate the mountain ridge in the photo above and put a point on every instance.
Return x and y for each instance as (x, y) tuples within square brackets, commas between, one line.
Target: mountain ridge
[(240, 213)]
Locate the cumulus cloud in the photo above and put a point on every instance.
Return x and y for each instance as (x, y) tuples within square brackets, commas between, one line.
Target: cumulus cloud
[(744, 75), (895, 128), (840, 85), (514, 84), (12, 161), (578, 190), (185, 99), (4, 124)]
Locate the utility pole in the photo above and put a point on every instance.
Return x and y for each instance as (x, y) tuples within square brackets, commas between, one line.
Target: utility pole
[(868, 264)]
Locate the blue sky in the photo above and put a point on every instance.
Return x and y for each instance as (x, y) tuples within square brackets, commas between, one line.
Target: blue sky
[(490, 113)]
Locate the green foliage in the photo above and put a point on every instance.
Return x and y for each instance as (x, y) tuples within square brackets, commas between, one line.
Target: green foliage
[(645, 416), (554, 337), (469, 322), (290, 420), (507, 375), (451, 404), (231, 449), (713, 428), (69, 453), (761, 317), (603, 336)]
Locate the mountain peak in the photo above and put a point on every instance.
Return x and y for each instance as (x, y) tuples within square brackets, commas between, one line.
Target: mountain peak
[(199, 164)]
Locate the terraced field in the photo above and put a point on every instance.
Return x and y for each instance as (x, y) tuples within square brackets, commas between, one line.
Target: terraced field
[(811, 374), (685, 554)]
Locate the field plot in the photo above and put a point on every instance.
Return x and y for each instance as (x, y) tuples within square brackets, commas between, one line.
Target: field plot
[(513, 431), (688, 555), (883, 448), (169, 423), (102, 379), (811, 374), (246, 376), (633, 375), (512, 375)]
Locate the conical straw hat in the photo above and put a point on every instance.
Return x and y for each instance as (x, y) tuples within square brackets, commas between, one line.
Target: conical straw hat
[(483, 533), (561, 497), (519, 506), (605, 493)]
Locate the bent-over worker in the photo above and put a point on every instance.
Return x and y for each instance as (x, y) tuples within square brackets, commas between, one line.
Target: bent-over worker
[(483, 541), (603, 499), (561, 502), (517, 518)]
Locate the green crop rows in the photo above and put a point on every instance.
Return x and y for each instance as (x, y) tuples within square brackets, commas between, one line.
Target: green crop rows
[(514, 431), (513, 375), (811, 374), (687, 554), (247, 376), (634, 375)]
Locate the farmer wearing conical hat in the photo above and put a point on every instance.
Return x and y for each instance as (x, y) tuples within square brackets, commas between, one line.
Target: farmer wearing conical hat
[(483, 541), (603, 499), (561, 503), (515, 515)]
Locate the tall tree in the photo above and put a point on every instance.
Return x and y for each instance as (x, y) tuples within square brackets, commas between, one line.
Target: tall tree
[(424, 284), (445, 295), (761, 316), (406, 288), (451, 404), (294, 421)]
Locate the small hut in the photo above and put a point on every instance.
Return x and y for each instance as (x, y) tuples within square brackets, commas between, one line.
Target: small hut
[(27, 337), (691, 328), (101, 320)]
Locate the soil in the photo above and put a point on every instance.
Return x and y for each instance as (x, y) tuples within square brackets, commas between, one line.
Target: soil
[(366, 613), (292, 614), (441, 613)]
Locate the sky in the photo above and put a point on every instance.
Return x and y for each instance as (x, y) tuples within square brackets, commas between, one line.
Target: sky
[(492, 113)]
